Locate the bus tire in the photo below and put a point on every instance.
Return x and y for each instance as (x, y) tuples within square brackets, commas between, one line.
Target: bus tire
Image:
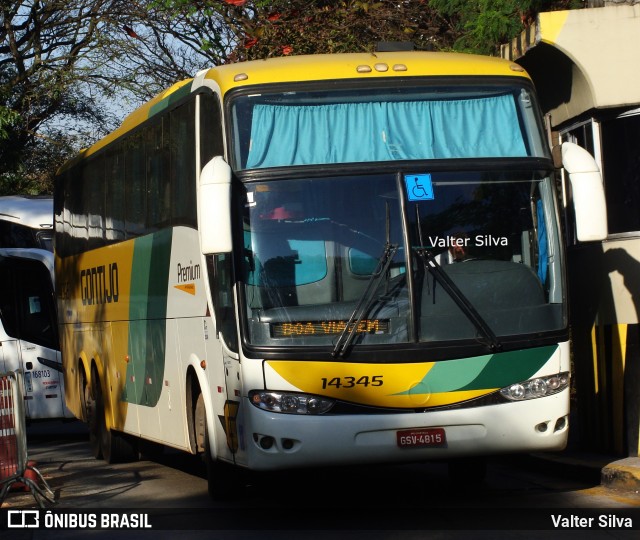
[(90, 414), (114, 447), (224, 481)]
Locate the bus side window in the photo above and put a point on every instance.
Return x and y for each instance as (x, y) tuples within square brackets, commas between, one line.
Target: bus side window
[(220, 274), (157, 187), (210, 128), (93, 201), (114, 195), (35, 306), (135, 196), (16, 235), (182, 165), (26, 302)]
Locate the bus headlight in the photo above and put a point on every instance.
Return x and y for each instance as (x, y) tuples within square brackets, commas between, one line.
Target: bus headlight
[(536, 388), (290, 402)]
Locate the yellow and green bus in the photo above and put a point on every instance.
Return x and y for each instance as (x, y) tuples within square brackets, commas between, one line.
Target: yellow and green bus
[(323, 260)]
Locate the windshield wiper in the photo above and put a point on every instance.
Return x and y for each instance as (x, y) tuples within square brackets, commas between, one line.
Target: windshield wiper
[(351, 328), (361, 309), (432, 266)]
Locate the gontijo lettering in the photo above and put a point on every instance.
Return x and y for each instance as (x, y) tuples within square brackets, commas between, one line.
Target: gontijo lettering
[(99, 285)]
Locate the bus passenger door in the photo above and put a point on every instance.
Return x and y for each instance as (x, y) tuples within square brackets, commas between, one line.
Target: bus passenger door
[(225, 319), (233, 431)]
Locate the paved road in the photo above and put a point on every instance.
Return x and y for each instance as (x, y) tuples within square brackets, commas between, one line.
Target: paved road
[(399, 501)]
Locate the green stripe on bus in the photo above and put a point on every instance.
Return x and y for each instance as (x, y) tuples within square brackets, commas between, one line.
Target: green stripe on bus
[(147, 314), (171, 98), (511, 367), (483, 372)]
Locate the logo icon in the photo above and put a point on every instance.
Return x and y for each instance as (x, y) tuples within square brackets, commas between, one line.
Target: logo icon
[(23, 519)]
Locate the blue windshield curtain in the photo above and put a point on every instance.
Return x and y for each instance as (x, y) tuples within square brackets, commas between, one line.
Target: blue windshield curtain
[(284, 135)]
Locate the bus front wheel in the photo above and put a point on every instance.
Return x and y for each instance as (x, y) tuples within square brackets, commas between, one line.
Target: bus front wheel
[(224, 481)]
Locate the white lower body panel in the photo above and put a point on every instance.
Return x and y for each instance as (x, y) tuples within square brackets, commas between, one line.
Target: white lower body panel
[(307, 441)]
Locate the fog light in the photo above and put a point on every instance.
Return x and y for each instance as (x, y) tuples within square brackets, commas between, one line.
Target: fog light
[(266, 443), (560, 424), (287, 444)]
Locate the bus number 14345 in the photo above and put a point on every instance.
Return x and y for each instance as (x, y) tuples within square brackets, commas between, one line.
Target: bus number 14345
[(351, 382)]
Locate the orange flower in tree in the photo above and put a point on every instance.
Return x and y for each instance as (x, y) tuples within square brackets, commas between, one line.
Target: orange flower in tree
[(130, 32), (274, 17), (287, 49), (248, 43), (236, 2)]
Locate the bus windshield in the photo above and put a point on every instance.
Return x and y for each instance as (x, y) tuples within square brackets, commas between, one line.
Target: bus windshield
[(274, 129), (312, 247), (26, 222)]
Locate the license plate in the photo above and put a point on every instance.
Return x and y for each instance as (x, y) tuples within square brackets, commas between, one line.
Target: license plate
[(420, 438)]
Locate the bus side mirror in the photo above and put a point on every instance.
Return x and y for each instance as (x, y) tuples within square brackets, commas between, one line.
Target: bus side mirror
[(214, 207), (589, 202)]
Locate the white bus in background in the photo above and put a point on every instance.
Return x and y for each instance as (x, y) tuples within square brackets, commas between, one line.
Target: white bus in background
[(26, 222), (29, 332)]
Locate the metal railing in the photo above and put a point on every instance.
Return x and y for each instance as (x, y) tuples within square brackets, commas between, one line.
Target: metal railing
[(14, 464)]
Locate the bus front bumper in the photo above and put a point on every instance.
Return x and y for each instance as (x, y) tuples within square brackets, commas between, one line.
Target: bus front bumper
[(272, 441)]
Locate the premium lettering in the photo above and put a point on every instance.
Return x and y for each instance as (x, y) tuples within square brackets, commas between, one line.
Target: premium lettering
[(99, 285), (190, 272)]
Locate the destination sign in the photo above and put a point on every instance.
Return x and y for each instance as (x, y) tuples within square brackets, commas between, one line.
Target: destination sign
[(327, 328)]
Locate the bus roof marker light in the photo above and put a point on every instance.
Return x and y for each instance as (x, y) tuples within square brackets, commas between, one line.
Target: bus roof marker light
[(516, 67), (399, 67), (363, 69), (240, 77), (382, 67)]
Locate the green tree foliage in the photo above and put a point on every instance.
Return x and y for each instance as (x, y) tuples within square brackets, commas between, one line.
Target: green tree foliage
[(49, 61), (171, 40), (234, 30), (302, 27), (261, 29), (162, 42), (61, 61), (481, 26)]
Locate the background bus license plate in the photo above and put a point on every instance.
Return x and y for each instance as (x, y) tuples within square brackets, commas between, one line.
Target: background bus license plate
[(418, 438)]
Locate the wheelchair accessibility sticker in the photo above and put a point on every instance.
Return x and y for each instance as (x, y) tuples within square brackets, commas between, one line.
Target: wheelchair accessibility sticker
[(419, 187)]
